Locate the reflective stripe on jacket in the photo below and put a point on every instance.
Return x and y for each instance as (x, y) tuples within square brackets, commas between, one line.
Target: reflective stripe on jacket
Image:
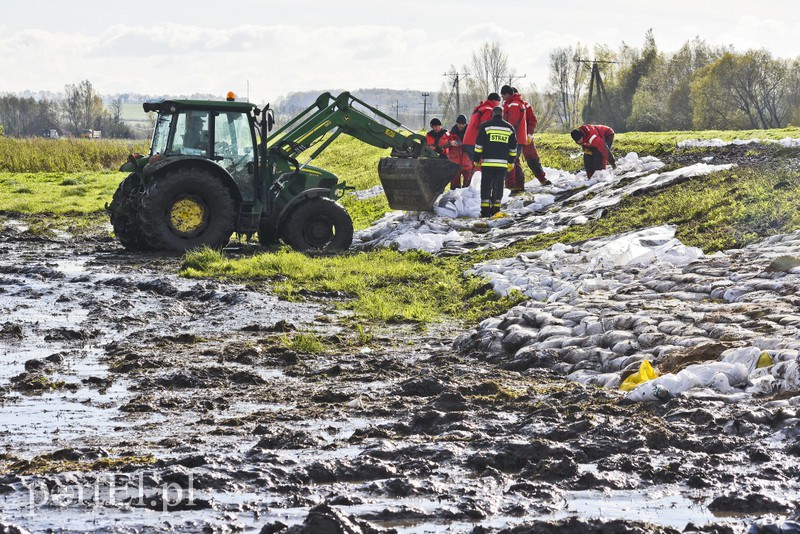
[(496, 143)]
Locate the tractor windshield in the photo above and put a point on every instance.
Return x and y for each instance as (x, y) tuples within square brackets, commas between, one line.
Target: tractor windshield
[(160, 134)]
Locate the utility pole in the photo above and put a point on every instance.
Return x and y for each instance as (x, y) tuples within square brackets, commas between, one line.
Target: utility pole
[(512, 78), (396, 109), (596, 81), (425, 110), (455, 77)]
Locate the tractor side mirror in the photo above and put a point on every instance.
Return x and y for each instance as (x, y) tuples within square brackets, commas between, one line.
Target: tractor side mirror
[(267, 118)]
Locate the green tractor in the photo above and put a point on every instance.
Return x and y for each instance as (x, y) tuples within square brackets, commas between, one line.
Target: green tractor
[(215, 168)]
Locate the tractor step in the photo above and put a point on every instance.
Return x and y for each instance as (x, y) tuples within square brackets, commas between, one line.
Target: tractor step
[(413, 184), (246, 220)]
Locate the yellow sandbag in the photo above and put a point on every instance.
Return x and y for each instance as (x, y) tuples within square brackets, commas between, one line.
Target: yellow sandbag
[(645, 373), (764, 360)]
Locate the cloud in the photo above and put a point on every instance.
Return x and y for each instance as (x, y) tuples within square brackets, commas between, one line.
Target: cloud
[(183, 58)]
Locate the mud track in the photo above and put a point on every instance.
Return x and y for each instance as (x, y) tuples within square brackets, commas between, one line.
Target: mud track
[(136, 401)]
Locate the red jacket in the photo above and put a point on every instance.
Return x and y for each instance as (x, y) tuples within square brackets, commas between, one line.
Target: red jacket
[(530, 119), (597, 136), (514, 113), (436, 141), (481, 114), (454, 151)]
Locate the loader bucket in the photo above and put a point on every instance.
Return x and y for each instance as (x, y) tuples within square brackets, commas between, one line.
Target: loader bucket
[(413, 184)]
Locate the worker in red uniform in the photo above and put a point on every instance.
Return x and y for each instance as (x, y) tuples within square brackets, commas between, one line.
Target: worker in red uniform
[(495, 152), (514, 113), (596, 140), (481, 114), (456, 154), (434, 138), (529, 151)]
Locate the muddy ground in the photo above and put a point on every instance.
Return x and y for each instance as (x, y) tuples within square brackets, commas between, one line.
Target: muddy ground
[(136, 401)]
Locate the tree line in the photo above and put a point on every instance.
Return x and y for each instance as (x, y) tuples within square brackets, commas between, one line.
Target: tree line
[(698, 87), (81, 108)]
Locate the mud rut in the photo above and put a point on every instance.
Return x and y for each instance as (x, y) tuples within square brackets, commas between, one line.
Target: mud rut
[(133, 400)]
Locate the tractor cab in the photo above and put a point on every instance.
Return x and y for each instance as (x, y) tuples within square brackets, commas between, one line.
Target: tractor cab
[(223, 133)]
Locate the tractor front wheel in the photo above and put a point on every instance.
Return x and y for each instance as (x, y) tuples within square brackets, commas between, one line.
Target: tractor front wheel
[(186, 208), (124, 211), (318, 224)]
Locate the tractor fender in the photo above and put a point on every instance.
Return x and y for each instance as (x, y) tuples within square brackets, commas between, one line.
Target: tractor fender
[(154, 169), (269, 229), (305, 195), (281, 215)]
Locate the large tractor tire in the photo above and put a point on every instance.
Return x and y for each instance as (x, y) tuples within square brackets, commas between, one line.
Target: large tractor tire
[(124, 212), (318, 224), (186, 208)]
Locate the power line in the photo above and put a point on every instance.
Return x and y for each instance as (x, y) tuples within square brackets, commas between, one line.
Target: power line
[(396, 106), (512, 78), (596, 81), (455, 77), (425, 109)]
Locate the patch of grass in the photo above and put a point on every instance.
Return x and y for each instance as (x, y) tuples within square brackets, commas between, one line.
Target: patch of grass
[(304, 343), (36, 154), (49, 464), (383, 285), (57, 193)]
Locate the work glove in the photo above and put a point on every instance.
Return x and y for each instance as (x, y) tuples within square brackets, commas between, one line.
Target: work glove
[(509, 167), (477, 165)]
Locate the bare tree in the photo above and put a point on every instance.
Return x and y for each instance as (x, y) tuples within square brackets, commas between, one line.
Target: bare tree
[(454, 96), (794, 90), (115, 108), (489, 69), (567, 80), (82, 106)]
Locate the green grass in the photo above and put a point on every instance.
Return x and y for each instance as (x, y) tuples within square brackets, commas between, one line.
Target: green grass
[(304, 343), (35, 154), (384, 285), (57, 193)]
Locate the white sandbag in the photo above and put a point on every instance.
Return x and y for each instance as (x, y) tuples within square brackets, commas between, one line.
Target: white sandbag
[(747, 356)]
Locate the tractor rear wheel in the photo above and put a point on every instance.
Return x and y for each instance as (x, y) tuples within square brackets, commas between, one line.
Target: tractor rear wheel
[(124, 210), (318, 224), (186, 208)]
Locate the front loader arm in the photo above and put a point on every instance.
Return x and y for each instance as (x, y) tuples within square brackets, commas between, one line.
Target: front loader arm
[(412, 177), (338, 115)]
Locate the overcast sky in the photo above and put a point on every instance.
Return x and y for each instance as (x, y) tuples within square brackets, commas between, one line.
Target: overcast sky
[(183, 47)]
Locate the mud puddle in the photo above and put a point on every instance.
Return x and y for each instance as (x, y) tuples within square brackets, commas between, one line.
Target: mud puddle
[(136, 401)]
